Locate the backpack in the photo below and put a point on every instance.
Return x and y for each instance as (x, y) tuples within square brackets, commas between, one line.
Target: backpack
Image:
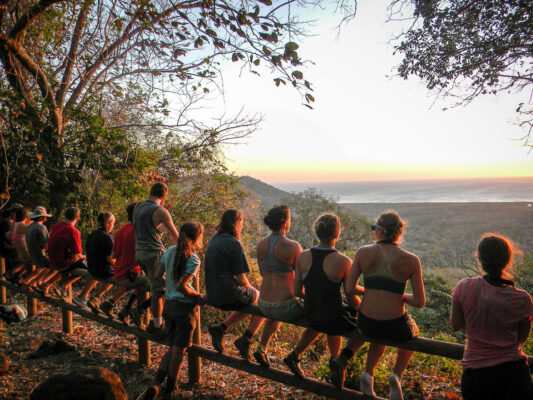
[(13, 312)]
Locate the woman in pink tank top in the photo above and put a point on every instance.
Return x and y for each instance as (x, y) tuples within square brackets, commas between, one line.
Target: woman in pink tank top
[(497, 319)]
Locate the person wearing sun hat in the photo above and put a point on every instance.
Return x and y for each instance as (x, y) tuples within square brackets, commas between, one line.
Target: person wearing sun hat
[(37, 240)]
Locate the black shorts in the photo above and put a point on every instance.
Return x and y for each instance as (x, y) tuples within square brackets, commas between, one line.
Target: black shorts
[(76, 264), (103, 272), (507, 381), (246, 296), (399, 329), (180, 321), (342, 325)]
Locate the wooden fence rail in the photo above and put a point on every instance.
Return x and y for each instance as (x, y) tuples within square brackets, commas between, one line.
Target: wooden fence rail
[(196, 352)]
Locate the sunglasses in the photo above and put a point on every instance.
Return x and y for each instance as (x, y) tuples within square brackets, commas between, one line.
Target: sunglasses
[(376, 226)]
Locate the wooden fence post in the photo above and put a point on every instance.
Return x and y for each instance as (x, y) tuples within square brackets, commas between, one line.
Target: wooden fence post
[(145, 357), (195, 363), (3, 293), (32, 301), (67, 314)]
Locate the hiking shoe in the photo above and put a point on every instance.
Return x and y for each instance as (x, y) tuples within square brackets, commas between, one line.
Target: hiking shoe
[(159, 333), (293, 362), (338, 366), (243, 345), (217, 334), (262, 358), (124, 316), (106, 307), (81, 302), (94, 305), (61, 293), (150, 393), (136, 317)]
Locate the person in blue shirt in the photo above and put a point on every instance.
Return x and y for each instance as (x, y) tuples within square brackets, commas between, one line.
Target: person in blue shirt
[(181, 264)]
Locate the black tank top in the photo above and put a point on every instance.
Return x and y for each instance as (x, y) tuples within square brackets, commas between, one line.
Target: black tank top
[(323, 298)]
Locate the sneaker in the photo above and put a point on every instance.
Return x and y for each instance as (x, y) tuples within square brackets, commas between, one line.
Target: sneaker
[(159, 333), (217, 334), (136, 317), (366, 381), (338, 366), (243, 345), (395, 387), (106, 307), (262, 358), (81, 302), (124, 316), (293, 362), (150, 393), (94, 305)]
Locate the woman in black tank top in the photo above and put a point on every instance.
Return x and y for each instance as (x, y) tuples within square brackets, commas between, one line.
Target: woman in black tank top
[(321, 271)]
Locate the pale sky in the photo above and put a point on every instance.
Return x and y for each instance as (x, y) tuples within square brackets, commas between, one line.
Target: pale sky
[(367, 125)]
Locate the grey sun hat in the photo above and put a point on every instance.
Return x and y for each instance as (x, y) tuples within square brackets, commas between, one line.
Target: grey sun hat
[(14, 207), (39, 211)]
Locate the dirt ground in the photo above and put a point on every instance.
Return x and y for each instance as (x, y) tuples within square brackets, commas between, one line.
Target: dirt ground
[(92, 344)]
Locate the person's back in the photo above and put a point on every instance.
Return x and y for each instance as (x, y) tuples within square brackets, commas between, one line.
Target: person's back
[(386, 268), (323, 270), (124, 251), (147, 235), (276, 257), (36, 240), (98, 249), (224, 259), (497, 319)]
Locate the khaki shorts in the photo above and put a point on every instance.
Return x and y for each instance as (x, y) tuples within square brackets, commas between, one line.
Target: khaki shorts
[(141, 283), (149, 261), (287, 310)]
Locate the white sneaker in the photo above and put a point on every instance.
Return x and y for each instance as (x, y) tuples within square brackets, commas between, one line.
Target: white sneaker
[(81, 302), (395, 387), (367, 384)]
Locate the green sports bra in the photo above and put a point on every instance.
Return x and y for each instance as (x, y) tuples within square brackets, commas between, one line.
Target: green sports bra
[(382, 279)]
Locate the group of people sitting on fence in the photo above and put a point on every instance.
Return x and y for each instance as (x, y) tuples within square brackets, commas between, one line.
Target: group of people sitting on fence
[(295, 284)]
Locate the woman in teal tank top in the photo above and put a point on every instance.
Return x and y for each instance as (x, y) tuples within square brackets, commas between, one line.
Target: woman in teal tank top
[(386, 268)]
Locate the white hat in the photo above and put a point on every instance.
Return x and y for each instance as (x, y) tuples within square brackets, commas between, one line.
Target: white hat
[(39, 211)]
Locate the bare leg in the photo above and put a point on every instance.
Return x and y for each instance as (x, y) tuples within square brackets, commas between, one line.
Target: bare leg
[(89, 285), (255, 324), (402, 360), (174, 363), (119, 293), (156, 305), (375, 352), (271, 327), (234, 318), (334, 344), (104, 287), (308, 338)]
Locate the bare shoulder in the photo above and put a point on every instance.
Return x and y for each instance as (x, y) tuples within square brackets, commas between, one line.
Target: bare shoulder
[(293, 244), (343, 259), (410, 258), (365, 250), (305, 255)]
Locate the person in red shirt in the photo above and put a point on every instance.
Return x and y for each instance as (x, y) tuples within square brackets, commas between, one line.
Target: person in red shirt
[(65, 252), (127, 273)]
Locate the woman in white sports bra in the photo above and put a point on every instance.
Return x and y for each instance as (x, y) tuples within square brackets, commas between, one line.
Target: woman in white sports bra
[(276, 256)]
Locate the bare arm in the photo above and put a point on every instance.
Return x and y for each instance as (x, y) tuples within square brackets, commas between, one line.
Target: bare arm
[(418, 298), (351, 286), (457, 318), (298, 283), (243, 280), (524, 328), (183, 287), (164, 217)]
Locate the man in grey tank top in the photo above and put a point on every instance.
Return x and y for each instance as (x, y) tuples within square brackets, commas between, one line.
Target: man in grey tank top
[(148, 219)]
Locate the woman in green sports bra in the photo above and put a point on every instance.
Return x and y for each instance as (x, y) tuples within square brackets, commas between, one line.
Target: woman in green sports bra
[(386, 268)]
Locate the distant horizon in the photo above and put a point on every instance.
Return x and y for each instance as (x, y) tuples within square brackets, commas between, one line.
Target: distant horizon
[(397, 180)]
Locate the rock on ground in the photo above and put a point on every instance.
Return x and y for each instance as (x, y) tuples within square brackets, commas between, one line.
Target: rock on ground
[(89, 384)]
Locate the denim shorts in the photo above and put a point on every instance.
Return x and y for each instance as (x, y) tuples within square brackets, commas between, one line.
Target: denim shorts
[(287, 310)]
